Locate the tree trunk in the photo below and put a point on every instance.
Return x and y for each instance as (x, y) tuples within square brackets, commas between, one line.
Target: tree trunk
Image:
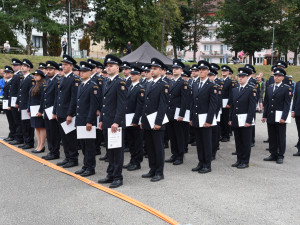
[(250, 58), (163, 28), (175, 51), (195, 40), (296, 57), (45, 44), (28, 33), (286, 57)]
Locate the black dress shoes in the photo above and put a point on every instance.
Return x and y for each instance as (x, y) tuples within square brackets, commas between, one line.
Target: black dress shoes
[(127, 165), (50, 157), (266, 141), (148, 175), (36, 151), (126, 149), (279, 161), (296, 154), (70, 164), (65, 161), (157, 178), (233, 153), (197, 168), (27, 147), (224, 139), (205, 170), (166, 145), (98, 152), (170, 160), (133, 167), (252, 145), (8, 139), (105, 180), (116, 183), (87, 173), (177, 162), (21, 146), (267, 149), (193, 144), (103, 158), (270, 158), (82, 170), (15, 142), (243, 166), (236, 164), (213, 158)]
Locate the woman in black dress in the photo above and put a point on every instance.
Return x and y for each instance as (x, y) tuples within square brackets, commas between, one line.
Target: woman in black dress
[(35, 99)]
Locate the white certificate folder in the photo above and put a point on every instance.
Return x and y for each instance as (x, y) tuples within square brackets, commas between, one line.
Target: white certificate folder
[(82, 133), (152, 117), (278, 115), (114, 140)]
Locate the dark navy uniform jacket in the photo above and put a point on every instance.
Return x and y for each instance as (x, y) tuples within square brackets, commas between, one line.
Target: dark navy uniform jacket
[(36, 99), (135, 102), (50, 92), (227, 89), (87, 104), (15, 85), (166, 79), (278, 100), (296, 102), (6, 90), (178, 98), (286, 80), (66, 96), (23, 94), (128, 82), (114, 102), (143, 81), (243, 102), (255, 83), (156, 100), (205, 100), (99, 82)]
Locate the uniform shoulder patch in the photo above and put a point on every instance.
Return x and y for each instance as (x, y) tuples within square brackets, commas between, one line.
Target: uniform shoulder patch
[(95, 87), (122, 82)]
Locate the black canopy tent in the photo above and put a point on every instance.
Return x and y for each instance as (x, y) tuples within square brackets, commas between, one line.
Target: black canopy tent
[(144, 53)]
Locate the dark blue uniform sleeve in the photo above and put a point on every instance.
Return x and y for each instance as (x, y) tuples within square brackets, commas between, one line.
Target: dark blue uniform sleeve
[(139, 106), (163, 105), (72, 107), (184, 99), (287, 103), (213, 102), (252, 106), (121, 103), (93, 104)]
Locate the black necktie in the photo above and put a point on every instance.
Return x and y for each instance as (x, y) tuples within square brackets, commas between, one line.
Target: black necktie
[(108, 83), (276, 87), (241, 89), (172, 83), (201, 84), (131, 87)]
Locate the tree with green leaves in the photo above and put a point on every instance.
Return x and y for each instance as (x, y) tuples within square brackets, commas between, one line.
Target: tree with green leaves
[(246, 24), (120, 21)]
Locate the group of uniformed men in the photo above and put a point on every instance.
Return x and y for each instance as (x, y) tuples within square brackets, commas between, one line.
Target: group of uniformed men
[(192, 106)]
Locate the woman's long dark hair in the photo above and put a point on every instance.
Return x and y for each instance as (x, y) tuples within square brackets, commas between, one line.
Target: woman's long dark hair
[(36, 90)]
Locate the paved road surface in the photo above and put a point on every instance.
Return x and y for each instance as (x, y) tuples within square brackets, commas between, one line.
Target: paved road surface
[(265, 193)]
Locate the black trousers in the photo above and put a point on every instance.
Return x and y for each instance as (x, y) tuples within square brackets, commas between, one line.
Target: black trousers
[(88, 150), (277, 139), (65, 50), (11, 123), (219, 133), (99, 138), (135, 144), (53, 137), (17, 120), (176, 133), (156, 153), (253, 131), (242, 137), (115, 158), (224, 123), (215, 140), (191, 135), (186, 128), (204, 146), (28, 132), (69, 143), (297, 119)]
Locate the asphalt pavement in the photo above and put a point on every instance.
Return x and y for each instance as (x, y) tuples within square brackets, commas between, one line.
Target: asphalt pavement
[(264, 193)]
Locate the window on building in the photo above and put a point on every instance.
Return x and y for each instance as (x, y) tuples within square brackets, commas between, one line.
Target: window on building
[(222, 61), (37, 41), (208, 48), (208, 59), (259, 60)]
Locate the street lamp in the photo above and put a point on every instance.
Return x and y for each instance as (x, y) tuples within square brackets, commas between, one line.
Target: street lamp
[(273, 44), (69, 41)]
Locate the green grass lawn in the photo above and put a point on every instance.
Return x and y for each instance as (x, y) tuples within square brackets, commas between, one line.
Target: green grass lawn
[(5, 59)]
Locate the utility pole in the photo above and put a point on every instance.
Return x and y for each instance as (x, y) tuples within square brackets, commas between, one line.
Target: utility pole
[(273, 44), (69, 41)]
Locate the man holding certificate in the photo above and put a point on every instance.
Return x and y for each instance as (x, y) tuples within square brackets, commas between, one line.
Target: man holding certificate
[(134, 108), (13, 91), (178, 101), (86, 118), (276, 110), (51, 124), (64, 111), (6, 96), (203, 109), (112, 120), (22, 104), (156, 103), (241, 115)]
